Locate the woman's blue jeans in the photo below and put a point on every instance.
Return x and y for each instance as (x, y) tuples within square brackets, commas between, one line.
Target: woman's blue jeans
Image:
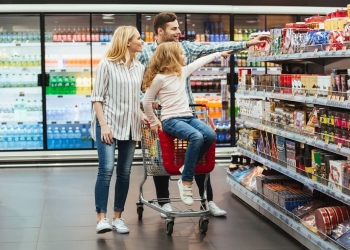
[(106, 156), (199, 136)]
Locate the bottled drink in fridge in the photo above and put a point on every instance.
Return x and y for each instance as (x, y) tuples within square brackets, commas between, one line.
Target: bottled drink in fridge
[(60, 85), (79, 86), (56, 138), (72, 87), (85, 137), (64, 138), (54, 85), (77, 138), (29, 137), (70, 138), (41, 136), (50, 139), (35, 137), (66, 85)]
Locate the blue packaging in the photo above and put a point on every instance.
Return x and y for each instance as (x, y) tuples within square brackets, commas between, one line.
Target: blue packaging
[(216, 38), (211, 38)]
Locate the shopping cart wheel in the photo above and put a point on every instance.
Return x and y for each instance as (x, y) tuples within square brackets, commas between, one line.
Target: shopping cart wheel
[(169, 227), (203, 225), (139, 212)]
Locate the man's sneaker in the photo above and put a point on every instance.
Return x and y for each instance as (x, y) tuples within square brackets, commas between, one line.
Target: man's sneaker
[(119, 226), (215, 210), (185, 193), (103, 226), (166, 207)]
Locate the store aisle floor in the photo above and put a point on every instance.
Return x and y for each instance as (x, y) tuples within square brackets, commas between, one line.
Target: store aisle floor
[(53, 209)]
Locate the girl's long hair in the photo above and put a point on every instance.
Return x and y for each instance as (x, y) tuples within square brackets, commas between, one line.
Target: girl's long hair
[(165, 60), (118, 49)]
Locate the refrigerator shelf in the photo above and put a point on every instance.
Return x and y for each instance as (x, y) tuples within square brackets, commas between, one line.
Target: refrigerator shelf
[(20, 44), (67, 96), (68, 70), (68, 122), (21, 123)]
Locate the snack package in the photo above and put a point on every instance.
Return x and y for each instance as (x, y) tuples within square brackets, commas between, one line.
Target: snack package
[(341, 229)]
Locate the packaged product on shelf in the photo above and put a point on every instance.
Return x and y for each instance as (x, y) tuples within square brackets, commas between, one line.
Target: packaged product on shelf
[(275, 41), (309, 221), (340, 230), (267, 146), (346, 179), (335, 175), (274, 152), (281, 149), (292, 152), (300, 211)]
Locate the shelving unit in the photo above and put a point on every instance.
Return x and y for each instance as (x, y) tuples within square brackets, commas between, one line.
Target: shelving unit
[(313, 62), (295, 229)]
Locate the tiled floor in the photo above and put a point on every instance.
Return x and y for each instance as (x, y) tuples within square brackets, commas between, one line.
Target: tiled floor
[(53, 209)]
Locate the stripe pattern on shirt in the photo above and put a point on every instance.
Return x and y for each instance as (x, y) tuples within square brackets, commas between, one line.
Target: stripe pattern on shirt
[(118, 88)]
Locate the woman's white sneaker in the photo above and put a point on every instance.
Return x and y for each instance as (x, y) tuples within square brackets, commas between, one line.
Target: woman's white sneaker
[(119, 226), (103, 226), (166, 207), (186, 194)]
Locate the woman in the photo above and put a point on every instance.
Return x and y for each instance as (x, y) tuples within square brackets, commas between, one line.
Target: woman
[(166, 78), (117, 120)]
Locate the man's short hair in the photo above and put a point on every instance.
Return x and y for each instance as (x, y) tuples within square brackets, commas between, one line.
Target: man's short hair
[(161, 20)]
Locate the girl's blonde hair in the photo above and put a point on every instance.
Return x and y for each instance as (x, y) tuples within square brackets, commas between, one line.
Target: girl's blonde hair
[(165, 60), (118, 49)]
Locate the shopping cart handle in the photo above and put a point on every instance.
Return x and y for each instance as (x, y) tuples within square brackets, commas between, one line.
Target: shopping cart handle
[(199, 105)]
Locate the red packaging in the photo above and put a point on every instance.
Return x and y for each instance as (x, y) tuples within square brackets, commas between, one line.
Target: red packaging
[(332, 217), (290, 25), (341, 13), (323, 222), (338, 119)]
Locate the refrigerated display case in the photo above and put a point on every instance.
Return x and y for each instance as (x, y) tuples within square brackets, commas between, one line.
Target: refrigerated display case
[(68, 71), (21, 94)]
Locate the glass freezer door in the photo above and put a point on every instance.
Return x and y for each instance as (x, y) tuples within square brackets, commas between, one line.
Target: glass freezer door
[(21, 96), (68, 68)]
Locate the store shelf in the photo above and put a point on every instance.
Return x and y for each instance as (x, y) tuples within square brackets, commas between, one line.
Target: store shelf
[(21, 123), (313, 184), (67, 96), (223, 69), (20, 44), (301, 56), (295, 229), (259, 69), (68, 70), (294, 136), (67, 122), (206, 94), (296, 98)]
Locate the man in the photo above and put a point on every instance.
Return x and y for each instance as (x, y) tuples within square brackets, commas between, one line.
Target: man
[(166, 27)]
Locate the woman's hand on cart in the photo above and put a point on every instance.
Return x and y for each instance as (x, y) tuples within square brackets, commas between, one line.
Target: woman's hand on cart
[(155, 128), (106, 134), (144, 119)]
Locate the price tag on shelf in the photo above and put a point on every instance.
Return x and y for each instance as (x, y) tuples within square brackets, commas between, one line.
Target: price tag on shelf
[(325, 146), (342, 99), (329, 97), (315, 96), (339, 146), (333, 97), (103, 43), (315, 51), (63, 70), (18, 44), (334, 50), (343, 50), (86, 70), (76, 122), (69, 122)]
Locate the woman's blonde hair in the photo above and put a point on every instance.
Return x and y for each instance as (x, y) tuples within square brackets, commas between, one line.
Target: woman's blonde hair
[(118, 49), (165, 60)]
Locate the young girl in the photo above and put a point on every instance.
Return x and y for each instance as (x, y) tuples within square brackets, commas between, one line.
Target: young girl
[(166, 78)]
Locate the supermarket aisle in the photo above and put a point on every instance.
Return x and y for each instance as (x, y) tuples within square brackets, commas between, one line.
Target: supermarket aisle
[(53, 208)]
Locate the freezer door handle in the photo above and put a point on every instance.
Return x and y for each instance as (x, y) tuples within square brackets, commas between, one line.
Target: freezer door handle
[(39, 80)]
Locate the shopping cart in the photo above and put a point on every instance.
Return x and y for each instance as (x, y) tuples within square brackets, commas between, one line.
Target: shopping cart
[(163, 155)]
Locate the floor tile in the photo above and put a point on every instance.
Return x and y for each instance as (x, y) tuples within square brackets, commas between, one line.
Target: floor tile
[(99, 244), (18, 246), (20, 222), (19, 235)]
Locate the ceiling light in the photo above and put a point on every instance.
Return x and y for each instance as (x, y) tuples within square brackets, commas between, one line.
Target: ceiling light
[(180, 22), (107, 14), (108, 17), (109, 22), (147, 16)]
